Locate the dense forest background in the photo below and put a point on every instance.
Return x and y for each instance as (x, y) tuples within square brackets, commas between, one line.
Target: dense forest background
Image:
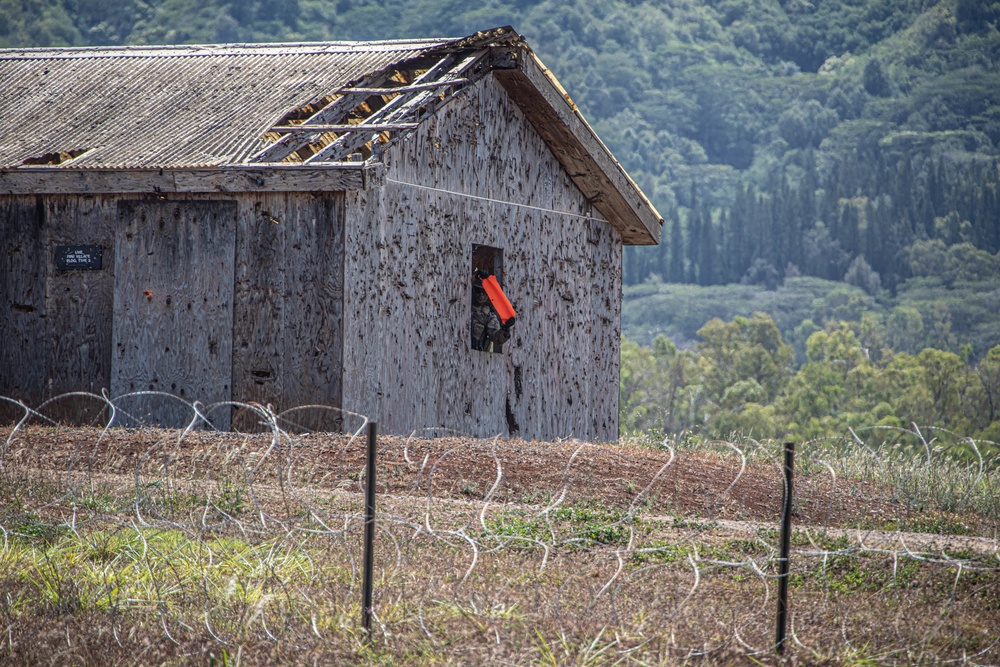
[(830, 165)]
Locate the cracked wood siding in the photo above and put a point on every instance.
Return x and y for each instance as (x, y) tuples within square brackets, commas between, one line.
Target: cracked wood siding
[(22, 300), (558, 377), (78, 335), (173, 307), (288, 325), (286, 314)]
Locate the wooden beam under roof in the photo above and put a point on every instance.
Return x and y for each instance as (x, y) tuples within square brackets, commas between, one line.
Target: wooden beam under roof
[(376, 127), (406, 89), (588, 161), (231, 178), (308, 132), (304, 134)]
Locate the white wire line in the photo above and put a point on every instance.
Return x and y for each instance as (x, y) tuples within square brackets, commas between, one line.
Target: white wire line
[(491, 200)]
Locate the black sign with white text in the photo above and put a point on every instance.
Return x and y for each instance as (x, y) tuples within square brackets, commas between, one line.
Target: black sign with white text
[(78, 257)]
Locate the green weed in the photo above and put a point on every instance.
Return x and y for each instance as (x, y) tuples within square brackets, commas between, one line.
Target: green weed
[(581, 525)]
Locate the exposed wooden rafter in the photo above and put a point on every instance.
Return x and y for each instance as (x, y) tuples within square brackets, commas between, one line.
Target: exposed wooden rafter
[(408, 89), (365, 112), (379, 127), (331, 113), (343, 145)]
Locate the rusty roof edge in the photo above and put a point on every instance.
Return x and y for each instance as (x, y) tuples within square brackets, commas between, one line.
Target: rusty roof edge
[(637, 199)]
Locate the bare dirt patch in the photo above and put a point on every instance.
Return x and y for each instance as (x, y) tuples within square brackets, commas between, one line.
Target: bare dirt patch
[(145, 545), (685, 484)]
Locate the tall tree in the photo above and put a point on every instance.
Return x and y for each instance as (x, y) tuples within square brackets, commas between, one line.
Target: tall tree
[(676, 272), (693, 245), (707, 252)]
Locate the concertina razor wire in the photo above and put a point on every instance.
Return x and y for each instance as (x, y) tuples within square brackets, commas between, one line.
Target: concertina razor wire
[(248, 541)]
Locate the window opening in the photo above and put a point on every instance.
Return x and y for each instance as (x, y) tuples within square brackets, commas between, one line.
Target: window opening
[(489, 331)]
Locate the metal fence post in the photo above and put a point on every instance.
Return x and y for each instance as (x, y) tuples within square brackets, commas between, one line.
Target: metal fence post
[(369, 557), (786, 535)]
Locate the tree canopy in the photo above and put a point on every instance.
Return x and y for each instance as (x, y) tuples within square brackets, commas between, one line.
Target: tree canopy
[(834, 164)]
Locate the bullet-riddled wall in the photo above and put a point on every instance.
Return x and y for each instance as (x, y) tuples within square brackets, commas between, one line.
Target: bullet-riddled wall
[(477, 173)]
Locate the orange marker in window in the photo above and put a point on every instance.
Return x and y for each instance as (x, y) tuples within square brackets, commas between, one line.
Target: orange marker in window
[(498, 299)]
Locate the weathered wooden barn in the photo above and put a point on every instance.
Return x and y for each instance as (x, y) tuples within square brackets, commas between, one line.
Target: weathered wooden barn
[(293, 224)]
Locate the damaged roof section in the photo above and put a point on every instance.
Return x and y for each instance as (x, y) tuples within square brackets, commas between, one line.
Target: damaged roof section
[(363, 118), (282, 107), (170, 107)]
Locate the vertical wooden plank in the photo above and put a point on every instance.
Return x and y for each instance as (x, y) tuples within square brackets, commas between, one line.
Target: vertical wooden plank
[(173, 304), (22, 299), (364, 244), (258, 308), (603, 250), (288, 313), (79, 304), (313, 305)]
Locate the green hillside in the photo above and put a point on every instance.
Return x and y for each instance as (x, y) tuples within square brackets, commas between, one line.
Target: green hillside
[(768, 133), (835, 165)]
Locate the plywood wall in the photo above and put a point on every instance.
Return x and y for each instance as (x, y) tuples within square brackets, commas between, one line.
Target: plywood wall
[(287, 336), (22, 306), (173, 307), (55, 326), (452, 184), (285, 275)]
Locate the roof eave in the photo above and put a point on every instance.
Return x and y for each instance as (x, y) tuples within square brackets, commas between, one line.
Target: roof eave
[(588, 161), (235, 178)]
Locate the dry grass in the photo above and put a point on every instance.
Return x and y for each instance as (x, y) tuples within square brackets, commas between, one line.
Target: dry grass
[(151, 547)]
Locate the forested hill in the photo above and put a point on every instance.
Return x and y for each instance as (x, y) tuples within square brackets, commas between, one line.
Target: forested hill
[(774, 135), (852, 141)]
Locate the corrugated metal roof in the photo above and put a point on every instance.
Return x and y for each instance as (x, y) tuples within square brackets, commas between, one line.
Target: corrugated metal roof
[(150, 107), (192, 107)]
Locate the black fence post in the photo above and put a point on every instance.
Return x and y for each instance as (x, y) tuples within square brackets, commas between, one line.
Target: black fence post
[(369, 557), (786, 536)]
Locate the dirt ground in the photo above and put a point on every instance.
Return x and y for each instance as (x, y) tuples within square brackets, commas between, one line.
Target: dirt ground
[(453, 588), (683, 484)]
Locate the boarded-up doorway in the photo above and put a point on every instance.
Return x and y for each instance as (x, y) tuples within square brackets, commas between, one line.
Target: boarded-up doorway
[(173, 308)]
